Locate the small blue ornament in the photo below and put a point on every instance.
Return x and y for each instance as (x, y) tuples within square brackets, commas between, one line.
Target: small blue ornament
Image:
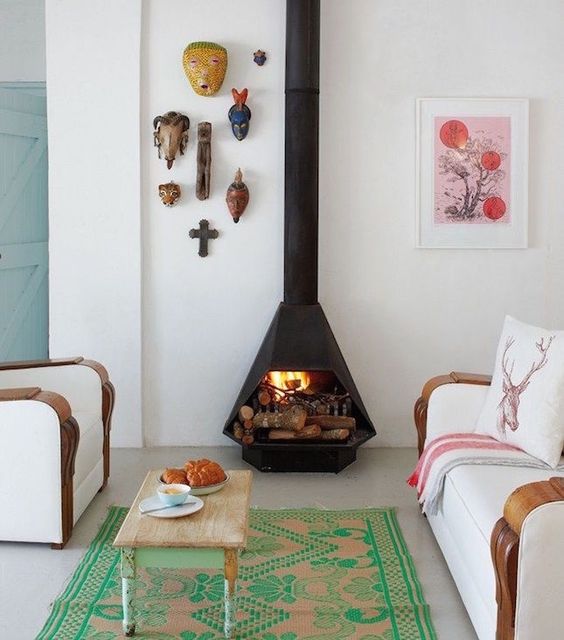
[(259, 57), (240, 114)]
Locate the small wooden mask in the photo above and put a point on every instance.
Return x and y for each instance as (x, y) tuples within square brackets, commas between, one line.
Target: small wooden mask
[(240, 114), (237, 196), (259, 56), (169, 193), (205, 64), (203, 167), (171, 135)]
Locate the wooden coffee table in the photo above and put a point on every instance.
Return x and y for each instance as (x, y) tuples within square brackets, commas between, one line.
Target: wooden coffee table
[(210, 538)]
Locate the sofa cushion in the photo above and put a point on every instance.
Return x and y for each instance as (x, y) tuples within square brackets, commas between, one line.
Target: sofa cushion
[(483, 490), (472, 503), (525, 403)]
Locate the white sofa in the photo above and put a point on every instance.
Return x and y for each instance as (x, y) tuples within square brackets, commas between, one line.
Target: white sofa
[(520, 595), (55, 419)]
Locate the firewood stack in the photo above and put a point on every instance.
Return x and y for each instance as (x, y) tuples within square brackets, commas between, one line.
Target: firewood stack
[(295, 414)]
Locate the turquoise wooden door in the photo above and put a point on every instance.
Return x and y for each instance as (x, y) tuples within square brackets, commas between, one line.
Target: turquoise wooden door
[(24, 329)]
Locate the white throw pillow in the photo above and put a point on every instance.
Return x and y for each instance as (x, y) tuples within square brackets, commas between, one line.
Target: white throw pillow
[(525, 403)]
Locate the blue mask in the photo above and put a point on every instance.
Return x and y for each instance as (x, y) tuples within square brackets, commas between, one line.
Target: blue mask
[(240, 115)]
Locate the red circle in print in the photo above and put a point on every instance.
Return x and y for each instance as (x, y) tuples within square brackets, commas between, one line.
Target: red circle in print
[(454, 134), (491, 160), (494, 208)]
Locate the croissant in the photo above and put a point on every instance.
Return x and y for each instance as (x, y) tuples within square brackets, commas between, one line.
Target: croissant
[(175, 476), (201, 473)]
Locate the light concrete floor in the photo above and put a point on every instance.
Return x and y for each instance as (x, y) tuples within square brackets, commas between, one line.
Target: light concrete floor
[(32, 575)]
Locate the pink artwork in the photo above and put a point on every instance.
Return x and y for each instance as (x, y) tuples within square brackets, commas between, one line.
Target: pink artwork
[(472, 169)]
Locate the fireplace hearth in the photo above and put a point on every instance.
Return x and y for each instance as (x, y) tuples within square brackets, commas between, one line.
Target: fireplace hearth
[(299, 408)]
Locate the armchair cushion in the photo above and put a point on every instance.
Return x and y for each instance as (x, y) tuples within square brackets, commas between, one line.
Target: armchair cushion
[(90, 446), (525, 403), (80, 385)]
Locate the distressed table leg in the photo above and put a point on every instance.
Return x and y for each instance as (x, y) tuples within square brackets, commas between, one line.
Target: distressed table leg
[(230, 571), (128, 590)]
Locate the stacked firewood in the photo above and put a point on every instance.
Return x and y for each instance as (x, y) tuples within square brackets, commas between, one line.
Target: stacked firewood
[(295, 414)]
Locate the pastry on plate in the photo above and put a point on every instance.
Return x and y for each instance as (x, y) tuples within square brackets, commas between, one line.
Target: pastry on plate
[(175, 476), (201, 473)]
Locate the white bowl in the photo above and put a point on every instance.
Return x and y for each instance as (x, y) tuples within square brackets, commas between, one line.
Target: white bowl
[(179, 495)]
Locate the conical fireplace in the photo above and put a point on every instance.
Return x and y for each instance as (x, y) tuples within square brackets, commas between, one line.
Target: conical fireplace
[(299, 408)]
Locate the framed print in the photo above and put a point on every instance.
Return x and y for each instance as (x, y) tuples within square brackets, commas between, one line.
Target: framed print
[(472, 164)]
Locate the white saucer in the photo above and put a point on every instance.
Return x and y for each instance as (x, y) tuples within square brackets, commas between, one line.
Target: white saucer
[(192, 505)]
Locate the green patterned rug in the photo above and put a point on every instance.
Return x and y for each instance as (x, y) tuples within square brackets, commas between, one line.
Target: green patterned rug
[(307, 574)]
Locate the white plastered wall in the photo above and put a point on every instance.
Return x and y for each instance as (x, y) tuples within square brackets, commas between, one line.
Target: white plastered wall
[(93, 50), (403, 314), (204, 318), (399, 314)]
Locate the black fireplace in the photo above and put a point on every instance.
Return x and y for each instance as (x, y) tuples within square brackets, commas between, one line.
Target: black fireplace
[(299, 366)]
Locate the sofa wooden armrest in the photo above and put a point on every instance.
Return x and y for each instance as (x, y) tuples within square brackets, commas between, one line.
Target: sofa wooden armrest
[(505, 546), (69, 434), (108, 392), (422, 404)]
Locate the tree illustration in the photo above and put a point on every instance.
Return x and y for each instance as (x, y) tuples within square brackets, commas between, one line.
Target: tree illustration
[(476, 164)]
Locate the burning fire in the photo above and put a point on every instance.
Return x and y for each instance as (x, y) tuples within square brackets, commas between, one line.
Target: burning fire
[(289, 379)]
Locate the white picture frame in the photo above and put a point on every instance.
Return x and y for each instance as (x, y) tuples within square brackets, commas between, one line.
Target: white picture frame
[(472, 173)]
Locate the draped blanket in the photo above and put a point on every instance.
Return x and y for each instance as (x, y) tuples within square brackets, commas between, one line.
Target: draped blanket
[(446, 452)]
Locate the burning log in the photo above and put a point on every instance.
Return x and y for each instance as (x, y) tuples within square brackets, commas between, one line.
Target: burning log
[(246, 413), (334, 434), (307, 433), (333, 422), (264, 397), (293, 419)]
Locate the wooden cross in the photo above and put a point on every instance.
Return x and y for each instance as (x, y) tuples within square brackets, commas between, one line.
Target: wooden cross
[(204, 233)]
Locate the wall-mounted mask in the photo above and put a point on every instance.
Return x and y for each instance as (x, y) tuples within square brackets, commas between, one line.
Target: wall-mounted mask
[(205, 64), (169, 193), (240, 114), (259, 56), (171, 135), (237, 196)]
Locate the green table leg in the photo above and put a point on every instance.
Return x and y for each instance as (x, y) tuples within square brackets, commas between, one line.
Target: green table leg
[(128, 590), (231, 569)]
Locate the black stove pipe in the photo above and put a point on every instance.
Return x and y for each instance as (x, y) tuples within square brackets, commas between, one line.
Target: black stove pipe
[(301, 212)]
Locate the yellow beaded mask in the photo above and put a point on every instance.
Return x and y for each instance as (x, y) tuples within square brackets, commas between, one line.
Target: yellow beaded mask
[(205, 64)]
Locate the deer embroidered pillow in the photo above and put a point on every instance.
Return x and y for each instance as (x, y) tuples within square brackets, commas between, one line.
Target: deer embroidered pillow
[(525, 403)]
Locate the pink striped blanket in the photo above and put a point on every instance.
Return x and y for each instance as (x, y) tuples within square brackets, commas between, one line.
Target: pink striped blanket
[(449, 451)]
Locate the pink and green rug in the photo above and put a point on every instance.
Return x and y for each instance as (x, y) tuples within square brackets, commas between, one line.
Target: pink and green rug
[(307, 574)]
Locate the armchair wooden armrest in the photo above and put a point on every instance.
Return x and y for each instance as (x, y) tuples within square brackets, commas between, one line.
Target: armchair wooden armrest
[(69, 433), (505, 546), (108, 392), (421, 406)]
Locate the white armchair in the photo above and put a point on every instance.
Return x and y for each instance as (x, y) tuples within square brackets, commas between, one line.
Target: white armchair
[(55, 418)]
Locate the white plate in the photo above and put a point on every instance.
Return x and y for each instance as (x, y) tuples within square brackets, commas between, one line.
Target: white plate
[(204, 491), (192, 505)]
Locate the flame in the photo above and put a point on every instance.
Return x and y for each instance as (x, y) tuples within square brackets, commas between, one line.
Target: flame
[(280, 379)]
